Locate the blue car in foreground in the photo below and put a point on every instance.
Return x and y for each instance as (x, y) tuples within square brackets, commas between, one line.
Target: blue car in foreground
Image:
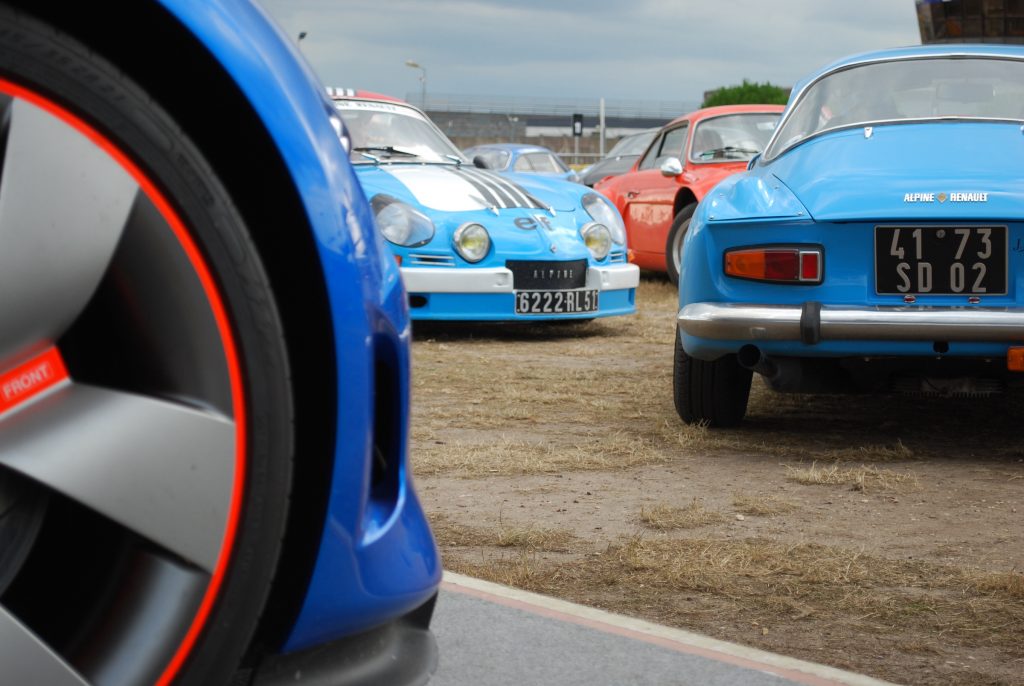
[(479, 246), (204, 366), (876, 246)]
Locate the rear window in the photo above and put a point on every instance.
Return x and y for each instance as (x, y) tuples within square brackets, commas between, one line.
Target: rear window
[(906, 90)]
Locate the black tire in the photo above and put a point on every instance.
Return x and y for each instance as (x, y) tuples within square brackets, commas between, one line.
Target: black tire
[(674, 242), (144, 333), (714, 393)]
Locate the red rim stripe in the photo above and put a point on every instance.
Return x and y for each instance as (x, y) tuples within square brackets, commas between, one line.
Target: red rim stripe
[(230, 353)]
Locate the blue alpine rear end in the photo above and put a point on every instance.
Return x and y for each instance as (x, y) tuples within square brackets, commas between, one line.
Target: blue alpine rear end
[(877, 246)]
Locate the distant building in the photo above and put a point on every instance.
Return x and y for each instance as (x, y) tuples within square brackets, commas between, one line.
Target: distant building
[(971, 21)]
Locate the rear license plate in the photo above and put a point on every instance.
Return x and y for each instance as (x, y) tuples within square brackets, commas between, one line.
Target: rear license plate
[(556, 302), (940, 260)]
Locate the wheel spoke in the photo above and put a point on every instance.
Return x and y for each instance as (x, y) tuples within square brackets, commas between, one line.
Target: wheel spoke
[(63, 206), (27, 660), (155, 467)]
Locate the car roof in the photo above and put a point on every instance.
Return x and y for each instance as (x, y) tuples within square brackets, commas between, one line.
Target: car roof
[(511, 147), (355, 94), (917, 51), (709, 112)]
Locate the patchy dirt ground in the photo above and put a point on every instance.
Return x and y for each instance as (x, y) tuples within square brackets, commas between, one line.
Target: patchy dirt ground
[(881, 534)]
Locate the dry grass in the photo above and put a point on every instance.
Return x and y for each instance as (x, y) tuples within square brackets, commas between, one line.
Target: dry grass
[(509, 401), (762, 505), (863, 478), (666, 517), (508, 457), (529, 538), (1005, 583), (757, 581), (871, 453)]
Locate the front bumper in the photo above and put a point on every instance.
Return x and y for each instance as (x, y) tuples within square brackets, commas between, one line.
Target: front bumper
[(499, 279), (488, 294), (402, 652), (813, 322)]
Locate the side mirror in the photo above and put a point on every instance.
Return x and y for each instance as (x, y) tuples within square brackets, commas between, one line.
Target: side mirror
[(478, 162), (671, 167), (753, 161)]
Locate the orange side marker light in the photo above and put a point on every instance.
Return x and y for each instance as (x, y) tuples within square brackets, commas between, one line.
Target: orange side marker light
[(1015, 359)]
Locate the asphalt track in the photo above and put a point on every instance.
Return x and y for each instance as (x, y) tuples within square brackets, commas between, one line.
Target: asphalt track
[(491, 635)]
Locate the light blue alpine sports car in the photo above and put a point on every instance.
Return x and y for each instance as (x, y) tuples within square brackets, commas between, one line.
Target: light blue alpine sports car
[(877, 244), (476, 245)]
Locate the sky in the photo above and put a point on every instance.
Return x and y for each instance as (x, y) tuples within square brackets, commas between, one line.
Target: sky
[(648, 50)]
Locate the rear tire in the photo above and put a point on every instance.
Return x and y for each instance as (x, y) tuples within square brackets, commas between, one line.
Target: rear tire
[(713, 393)]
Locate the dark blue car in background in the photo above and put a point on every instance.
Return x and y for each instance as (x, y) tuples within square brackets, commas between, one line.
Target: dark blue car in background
[(204, 365)]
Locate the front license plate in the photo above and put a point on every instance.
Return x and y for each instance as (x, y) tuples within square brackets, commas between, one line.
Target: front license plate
[(940, 260), (555, 302)]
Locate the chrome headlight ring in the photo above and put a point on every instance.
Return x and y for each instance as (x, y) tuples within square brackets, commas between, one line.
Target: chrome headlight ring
[(598, 239), (472, 242)]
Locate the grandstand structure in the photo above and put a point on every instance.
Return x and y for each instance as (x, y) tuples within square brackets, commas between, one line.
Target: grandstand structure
[(971, 21), (471, 120)]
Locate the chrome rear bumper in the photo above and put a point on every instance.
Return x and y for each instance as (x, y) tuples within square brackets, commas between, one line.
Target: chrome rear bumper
[(813, 322)]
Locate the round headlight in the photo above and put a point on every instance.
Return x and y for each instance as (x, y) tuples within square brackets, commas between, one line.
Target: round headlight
[(602, 212), (402, 224), (598, 240), (472, 242)]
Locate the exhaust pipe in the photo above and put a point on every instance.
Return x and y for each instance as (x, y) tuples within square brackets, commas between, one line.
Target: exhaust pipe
[(750, 357)]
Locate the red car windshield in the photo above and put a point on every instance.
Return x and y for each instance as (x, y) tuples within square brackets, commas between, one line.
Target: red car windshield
[(732, 137)]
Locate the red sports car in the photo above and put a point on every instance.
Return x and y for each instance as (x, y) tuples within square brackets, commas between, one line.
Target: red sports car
[(687, 158)]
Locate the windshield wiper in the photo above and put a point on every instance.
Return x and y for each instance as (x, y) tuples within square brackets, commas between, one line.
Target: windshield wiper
[(728, 149), (389, 149)]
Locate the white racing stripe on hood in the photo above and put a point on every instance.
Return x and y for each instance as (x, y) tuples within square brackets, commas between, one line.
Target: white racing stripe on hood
[(438, 189), (513, 193), (456, 189)]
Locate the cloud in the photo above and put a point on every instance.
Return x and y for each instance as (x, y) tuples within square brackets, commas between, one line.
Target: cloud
[(648, 50)]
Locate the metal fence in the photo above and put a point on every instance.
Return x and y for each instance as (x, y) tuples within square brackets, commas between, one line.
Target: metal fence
[(515, 105)]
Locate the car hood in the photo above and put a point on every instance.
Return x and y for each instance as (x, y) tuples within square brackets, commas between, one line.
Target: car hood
[(517, 215), (948, 170), (450, 188)]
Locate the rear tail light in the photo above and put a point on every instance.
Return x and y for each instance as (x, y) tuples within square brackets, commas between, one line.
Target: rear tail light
[(1015, 359), (778, 264)]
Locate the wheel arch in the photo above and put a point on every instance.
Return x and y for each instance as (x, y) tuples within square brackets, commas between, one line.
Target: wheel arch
[(206, 103), (684, 197)]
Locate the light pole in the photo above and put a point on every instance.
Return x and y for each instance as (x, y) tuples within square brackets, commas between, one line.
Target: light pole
[(423, 82)]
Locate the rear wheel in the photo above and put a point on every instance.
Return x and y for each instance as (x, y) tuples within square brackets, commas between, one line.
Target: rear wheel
[(714, 392), (674, 243), (145, 404)]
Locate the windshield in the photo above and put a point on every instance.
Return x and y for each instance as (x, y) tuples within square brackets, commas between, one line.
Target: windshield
[(733, 137), (903, 90), (392, 132), (633, 144)]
